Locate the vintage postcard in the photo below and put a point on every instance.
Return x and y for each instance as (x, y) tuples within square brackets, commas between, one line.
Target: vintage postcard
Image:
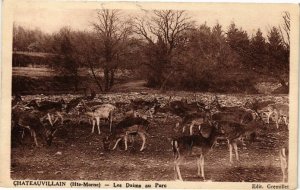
[(149, 95)]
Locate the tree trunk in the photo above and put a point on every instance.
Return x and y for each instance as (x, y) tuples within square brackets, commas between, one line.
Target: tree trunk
[(162, 87), (106, 79), (112, 78), (76, 83), (95, 77)]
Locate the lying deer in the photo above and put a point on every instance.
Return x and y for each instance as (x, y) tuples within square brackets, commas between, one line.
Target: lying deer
[(198, 145), (131, 126)]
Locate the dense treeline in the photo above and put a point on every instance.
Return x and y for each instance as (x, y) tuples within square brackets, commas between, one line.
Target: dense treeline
[(168, 49)]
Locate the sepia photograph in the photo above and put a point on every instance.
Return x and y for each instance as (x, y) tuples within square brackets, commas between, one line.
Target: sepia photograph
[(151, 92)]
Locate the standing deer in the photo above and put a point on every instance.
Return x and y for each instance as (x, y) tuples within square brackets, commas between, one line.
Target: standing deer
[(234, 132), (199, 145), (104, 111)]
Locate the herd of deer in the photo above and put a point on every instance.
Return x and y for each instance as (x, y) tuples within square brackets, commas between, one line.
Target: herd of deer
[(205, 122)]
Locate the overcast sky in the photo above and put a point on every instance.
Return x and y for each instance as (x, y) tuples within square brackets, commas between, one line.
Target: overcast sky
[(250, 18)]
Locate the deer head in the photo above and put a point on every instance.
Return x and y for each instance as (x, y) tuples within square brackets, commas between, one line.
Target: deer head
[(49, 135)]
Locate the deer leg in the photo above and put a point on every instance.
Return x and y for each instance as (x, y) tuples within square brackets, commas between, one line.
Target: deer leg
[(23, 133), (202, 166), (175, 172), (126, 140), (178, 170), (285, 121), (117, 142), (98, 124), (110, 123), (236, 151), (34, 137), (61, 117), (230, 151), (191, 129), (183, 128), (199, 166), (268, 117), (277, 122), (55, 120), (142, 135), (166, 118), (283, 164), (276, 118), (93, 122), (150, 113), (50, 119)]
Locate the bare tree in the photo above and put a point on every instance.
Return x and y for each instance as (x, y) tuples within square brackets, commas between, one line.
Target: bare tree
[(164, 33), (285, 28), (112, 35)]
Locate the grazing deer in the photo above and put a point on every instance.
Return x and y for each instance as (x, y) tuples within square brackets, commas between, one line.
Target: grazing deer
[(131, 126), (198, 145), (49, 107), (132, 130), (104, 111), (32, 121)]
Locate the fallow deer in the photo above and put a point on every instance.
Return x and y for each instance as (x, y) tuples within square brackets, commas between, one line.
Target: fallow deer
[(198, 145), (32, 122), (48, 108), (234, 131), (131, 126), (104, 111)]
